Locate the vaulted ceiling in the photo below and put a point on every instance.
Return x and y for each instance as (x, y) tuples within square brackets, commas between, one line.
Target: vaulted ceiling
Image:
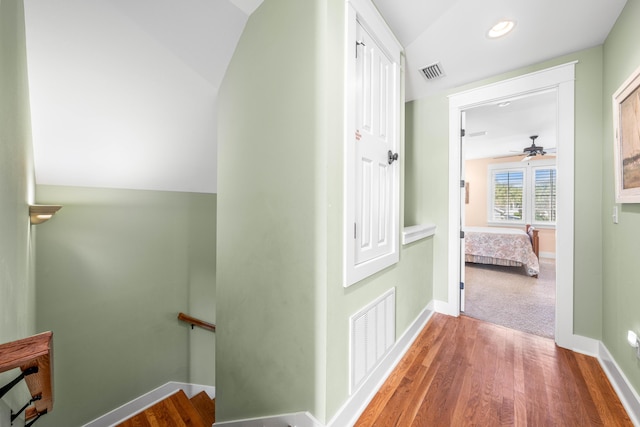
[(123, 92)]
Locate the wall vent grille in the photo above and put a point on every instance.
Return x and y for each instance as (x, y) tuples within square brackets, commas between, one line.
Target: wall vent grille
[(373, 333), (433, 71)]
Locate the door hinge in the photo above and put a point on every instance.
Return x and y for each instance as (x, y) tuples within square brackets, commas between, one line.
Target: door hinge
[(462, 133), (355, 225), (461, 234), (461, 285), (462, 183), (359, 43)]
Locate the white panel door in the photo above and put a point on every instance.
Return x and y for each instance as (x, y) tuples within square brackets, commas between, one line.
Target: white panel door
[(375, 93), (372, 113)]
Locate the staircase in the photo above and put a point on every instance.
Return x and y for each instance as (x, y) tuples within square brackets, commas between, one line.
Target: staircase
[(176, 411)]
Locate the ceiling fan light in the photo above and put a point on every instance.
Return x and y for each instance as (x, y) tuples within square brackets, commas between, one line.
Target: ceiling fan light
[(501, 28)]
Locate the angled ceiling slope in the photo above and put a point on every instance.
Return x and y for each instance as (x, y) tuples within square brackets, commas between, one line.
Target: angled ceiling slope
[(454, 33), (123, 93)]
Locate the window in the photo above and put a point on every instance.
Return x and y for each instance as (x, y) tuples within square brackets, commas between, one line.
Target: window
[(523, 194), (507, 195), (544, 195)]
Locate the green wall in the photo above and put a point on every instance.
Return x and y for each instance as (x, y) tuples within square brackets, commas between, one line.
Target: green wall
[(283, 314), (427, 192), (268, 216), (114, 269), (621, 285), (606, 286), (17, 284)]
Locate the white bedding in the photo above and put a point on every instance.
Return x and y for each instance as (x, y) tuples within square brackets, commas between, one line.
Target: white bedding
[(500, 246)]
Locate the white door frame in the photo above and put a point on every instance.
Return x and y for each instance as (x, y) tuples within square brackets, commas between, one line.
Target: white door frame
[(560, 79)]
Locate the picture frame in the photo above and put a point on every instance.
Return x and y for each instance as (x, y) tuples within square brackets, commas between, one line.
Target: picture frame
[(626, 127), (466, 193)]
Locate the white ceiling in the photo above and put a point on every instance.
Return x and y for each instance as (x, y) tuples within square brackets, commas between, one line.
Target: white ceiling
[(496, 131), (453, 32), (123, 92)]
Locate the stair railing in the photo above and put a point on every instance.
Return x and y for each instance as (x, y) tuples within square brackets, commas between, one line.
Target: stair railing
[(34, 357), (196, 322)]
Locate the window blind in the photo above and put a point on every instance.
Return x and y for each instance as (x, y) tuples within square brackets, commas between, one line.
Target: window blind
[(545, 195), (507, 195)]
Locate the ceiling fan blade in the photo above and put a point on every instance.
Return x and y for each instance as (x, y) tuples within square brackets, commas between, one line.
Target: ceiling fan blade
[(516, 154)]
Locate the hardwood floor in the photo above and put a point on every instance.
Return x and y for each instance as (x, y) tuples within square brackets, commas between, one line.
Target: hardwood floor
[(464, 372), (174, 411)]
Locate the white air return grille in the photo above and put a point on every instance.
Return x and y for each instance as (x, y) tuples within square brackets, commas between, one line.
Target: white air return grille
[(372, 334), (433, 71)]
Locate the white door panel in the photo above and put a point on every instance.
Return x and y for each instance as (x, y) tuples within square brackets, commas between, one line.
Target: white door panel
[(371, 192), (373, 224)]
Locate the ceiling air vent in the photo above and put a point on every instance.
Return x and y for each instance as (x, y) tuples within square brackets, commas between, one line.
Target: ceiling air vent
[(433, 71)]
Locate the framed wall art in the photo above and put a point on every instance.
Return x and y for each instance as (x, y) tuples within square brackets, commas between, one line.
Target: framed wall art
[(626, 127)]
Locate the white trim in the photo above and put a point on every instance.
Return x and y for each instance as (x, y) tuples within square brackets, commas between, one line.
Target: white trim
[(538, 81), (355, 406), (298, 419), (148, 399), (528, 170), (625, 391), (351, 410), (363, 12), (629, 195), (380, 332), (417, 232), (551, 255), (584, 345), (372, 20), (444, 307), (349, 413), (560, 79)]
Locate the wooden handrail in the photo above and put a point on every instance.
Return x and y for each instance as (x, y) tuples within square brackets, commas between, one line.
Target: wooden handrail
[(28, 352), (196, 322)]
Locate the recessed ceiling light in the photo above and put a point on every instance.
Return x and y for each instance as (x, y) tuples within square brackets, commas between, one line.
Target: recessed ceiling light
[(501, 28)]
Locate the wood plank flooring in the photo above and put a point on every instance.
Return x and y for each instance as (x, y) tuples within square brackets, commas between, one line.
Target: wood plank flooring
[(175, 411), (466, 372)]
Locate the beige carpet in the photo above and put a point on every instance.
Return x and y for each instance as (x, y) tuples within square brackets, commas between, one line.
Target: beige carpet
[(507, 296)]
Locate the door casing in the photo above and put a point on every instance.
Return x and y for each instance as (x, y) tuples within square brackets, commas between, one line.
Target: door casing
[(561, 79)]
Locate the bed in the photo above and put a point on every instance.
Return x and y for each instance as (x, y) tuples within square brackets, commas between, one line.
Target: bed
[(503, 246)]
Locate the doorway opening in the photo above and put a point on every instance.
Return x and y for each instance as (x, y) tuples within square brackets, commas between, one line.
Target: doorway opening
[(510, 183), (559, 80)]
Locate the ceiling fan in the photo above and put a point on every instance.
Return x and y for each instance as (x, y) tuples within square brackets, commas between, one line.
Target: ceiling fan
[(531, 151), (534, 150)]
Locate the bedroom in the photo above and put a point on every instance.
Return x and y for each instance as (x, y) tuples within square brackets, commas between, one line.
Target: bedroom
[(510, 179)]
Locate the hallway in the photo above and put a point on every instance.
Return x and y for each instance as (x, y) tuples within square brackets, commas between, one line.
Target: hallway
[(462, 371)]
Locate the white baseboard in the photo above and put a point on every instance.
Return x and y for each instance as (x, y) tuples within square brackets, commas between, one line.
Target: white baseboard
[(360, 399), (349, 413), (584, 345), (625, 391), (551, 255), (141, 403), (298, 419), (445, 308)]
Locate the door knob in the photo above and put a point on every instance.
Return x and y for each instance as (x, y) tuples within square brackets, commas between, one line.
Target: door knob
[(392, 156)]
